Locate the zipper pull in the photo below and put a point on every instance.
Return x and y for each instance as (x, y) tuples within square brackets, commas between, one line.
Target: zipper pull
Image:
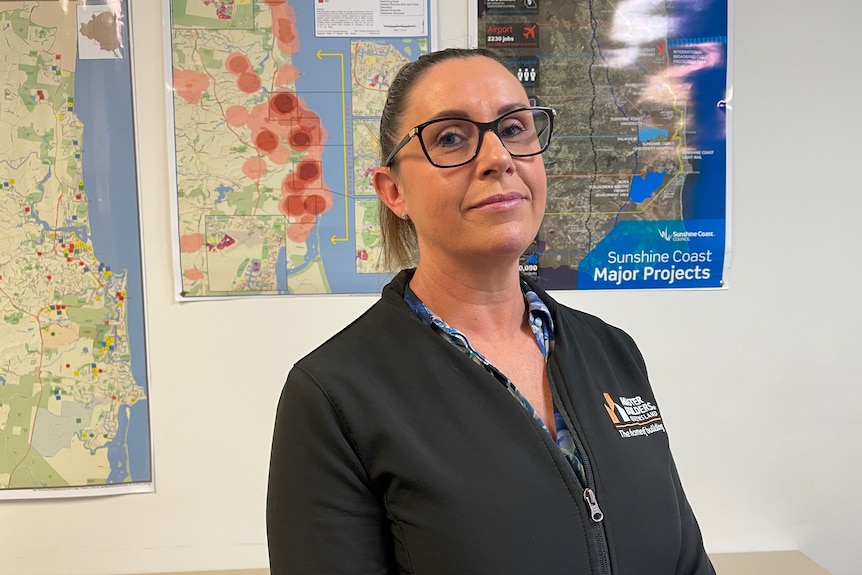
[(595, 512)]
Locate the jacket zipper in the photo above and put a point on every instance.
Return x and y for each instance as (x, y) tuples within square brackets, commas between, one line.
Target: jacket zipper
[(595, 512), (589, 494)]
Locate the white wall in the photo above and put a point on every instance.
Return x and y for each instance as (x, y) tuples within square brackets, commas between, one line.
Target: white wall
[(759, 384)]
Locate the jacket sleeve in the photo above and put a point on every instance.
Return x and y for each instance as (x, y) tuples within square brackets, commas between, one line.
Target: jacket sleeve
[(693, 559), (321, 514)]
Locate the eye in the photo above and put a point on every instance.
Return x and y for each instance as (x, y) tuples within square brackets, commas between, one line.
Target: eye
[(511, 128), (450, 138), (448, 134)]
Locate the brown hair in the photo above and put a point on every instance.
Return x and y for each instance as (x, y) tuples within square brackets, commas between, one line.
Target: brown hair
[(400, 247)]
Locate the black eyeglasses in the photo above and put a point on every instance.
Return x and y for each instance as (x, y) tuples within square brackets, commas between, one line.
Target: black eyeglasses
[(453, 142)]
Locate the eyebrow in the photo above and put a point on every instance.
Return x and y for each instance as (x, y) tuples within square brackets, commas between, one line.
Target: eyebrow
[(458, 113)]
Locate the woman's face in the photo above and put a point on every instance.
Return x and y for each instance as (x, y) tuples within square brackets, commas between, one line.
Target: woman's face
[(489, 209)]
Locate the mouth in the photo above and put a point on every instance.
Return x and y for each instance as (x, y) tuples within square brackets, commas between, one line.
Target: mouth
[(501, 201)]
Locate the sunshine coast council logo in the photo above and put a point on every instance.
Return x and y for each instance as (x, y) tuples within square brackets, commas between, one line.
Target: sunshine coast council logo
[(633, 416), (683, 236)]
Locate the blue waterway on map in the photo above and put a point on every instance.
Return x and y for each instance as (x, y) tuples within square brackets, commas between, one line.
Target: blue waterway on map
[(80, 231), (138, 441), (41, 187), (647, 134), (320, 85), (222, 191), (132, 439), (281, 270), (642, 188), (102, 97), (705, 193), (120, 464)]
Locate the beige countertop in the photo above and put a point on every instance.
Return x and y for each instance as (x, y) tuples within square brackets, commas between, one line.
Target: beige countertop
[(760, 563)]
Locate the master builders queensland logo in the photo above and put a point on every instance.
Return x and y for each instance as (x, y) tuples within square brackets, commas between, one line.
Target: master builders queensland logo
[(633, 416)]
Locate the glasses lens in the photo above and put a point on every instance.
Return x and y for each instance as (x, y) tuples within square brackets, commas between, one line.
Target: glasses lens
[(525, 132), (450, 142)]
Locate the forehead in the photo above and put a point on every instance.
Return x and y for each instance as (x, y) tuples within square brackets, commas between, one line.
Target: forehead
[(479, 87)]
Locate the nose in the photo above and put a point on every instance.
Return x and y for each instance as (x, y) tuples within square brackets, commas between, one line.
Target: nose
[(493, 154)]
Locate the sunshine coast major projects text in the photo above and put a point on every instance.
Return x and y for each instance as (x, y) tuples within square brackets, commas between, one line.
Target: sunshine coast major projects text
[(684, 265)]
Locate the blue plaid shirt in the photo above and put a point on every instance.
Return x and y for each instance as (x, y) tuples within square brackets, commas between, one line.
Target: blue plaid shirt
[(542, 324)]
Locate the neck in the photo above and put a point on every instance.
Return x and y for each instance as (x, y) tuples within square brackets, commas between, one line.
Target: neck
[(477, 301)]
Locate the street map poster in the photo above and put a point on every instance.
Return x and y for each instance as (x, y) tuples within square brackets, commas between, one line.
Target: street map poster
[(74, 417), (276, 106), (638, 194)]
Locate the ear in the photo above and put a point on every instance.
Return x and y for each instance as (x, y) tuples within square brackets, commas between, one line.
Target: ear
[(389, 190)]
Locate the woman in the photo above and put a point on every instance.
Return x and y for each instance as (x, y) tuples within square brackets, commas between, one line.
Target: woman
[(468, 423)]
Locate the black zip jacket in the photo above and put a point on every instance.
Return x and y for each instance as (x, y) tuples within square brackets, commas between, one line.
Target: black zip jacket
[(394, 453)]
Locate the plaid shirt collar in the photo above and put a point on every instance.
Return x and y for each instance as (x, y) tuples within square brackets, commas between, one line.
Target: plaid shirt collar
[(538, 314)]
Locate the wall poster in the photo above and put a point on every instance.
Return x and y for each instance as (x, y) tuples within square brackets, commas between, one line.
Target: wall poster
[(74, 415), (275, 107), (638, 186)]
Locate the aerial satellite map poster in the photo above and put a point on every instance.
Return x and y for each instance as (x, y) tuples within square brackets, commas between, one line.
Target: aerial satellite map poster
[(638, 186)]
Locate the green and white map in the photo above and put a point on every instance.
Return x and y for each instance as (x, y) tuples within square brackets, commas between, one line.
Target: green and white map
[(73, 409), (276, 112)]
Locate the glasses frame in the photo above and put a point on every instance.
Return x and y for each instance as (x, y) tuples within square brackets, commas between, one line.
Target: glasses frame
[(483, 128)]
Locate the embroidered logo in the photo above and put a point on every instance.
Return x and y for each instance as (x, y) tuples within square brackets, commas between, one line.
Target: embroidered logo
[(633, 416)]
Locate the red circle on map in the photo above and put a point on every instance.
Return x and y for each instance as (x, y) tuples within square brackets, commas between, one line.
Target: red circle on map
[(236, 116), (300, 139), (286, 74), (294, 205), (283, 103), (248, 82), (308, 171), (285, 30), (288, 185), (280, 155), (254, 168), (237, 63), (315, 205), (266, 141)]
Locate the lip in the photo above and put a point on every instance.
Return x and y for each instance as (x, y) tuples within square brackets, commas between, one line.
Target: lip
[(501, 201)]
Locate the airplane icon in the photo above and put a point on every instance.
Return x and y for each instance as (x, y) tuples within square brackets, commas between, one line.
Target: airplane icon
[(530, 31)]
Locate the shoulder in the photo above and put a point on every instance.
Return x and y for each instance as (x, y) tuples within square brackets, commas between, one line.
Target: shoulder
[(379, 326), (382, 334)]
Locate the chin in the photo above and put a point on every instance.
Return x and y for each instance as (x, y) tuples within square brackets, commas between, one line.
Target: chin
[(512, 246)]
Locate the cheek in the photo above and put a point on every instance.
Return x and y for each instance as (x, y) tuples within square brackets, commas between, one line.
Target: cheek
[(431, 201), (441, 195), (537, 181)]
